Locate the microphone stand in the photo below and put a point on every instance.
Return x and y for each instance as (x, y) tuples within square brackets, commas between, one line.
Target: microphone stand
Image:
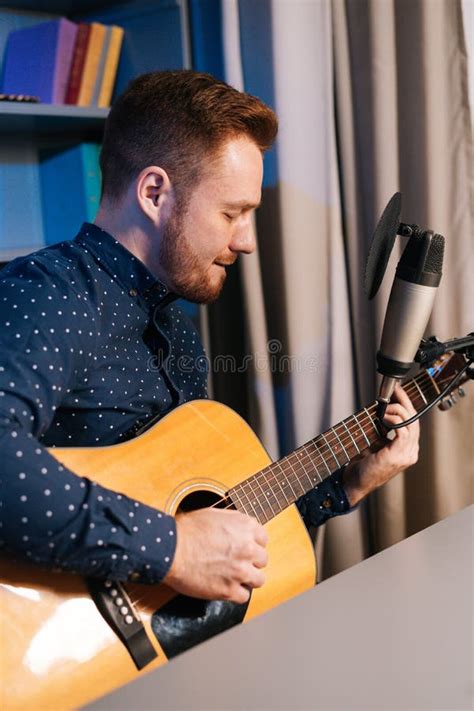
[(430, 349), (428, 352)]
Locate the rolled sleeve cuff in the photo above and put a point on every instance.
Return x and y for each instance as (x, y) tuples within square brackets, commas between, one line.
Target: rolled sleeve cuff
[(149, 543), (326, 500), (119, 539)]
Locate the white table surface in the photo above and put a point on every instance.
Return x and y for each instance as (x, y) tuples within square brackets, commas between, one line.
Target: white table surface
[(392, 633)]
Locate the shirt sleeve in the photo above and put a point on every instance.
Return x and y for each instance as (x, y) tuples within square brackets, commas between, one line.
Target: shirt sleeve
[(48, 514), (326, 500)]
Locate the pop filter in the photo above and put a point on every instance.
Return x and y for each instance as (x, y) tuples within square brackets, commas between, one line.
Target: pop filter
[(382, 245)]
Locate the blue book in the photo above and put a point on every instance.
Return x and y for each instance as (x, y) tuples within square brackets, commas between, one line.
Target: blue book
[(21, 226), (70, 190), (38, 60), (92, 178), (11, 20), (153, 37)]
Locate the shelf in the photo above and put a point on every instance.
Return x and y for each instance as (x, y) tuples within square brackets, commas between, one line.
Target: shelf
[(6, 255), (62, 7), (51, 119)]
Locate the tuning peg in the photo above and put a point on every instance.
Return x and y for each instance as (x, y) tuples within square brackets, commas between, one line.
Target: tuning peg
[(446, 403), (461, 392)]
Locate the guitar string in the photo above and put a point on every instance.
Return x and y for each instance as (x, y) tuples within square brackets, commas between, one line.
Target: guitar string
[(137, 600), (322, 449)]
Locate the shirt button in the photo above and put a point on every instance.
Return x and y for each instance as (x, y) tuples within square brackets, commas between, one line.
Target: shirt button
[(133, 292), (327, 503)]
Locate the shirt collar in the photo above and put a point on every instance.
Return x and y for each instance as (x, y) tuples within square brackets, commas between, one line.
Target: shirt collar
[(124, 267)]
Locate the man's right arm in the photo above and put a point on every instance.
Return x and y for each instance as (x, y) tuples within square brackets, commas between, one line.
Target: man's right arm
[(55, 518), (49, 515)]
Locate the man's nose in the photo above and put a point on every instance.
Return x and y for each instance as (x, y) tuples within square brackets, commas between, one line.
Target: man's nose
[(244, 239)]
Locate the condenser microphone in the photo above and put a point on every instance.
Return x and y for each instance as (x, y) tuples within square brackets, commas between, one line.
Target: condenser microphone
[(417, 277)]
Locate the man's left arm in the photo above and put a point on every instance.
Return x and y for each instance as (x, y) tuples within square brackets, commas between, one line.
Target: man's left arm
[(339, 493), (399, 453)]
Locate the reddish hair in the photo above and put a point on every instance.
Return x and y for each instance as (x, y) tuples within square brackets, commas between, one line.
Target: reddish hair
[(175, 119)]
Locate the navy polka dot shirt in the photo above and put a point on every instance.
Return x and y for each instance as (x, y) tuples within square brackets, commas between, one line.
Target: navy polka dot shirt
[(92, 348)]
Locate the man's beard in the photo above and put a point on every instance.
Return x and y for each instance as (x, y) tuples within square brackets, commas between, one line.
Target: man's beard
[(186, 276)]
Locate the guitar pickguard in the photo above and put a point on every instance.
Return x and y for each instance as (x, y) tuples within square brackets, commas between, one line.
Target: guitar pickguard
[(185, 621)]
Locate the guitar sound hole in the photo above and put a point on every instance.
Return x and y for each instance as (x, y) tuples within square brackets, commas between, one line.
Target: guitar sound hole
[(201, 500)]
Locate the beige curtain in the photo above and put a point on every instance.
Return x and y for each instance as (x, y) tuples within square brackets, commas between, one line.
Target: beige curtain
[(398, 119), (403, 123)]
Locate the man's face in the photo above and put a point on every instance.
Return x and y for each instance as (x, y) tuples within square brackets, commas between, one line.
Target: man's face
[(216, 224)]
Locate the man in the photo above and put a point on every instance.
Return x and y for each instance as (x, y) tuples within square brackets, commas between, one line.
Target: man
[(83, 320)]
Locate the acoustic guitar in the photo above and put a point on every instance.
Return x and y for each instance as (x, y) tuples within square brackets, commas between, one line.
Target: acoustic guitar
[(67, 640)]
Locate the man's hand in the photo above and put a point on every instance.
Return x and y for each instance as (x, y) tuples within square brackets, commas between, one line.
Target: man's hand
[(401, 452), (219, 555)]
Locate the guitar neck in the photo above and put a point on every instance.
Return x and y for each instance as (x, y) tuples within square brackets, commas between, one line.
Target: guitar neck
[(271, 490)]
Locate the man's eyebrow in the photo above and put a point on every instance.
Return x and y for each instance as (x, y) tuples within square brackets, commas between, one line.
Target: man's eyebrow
[(242, 205)]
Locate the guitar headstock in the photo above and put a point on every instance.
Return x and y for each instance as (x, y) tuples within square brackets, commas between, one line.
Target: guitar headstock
[(443, 370)]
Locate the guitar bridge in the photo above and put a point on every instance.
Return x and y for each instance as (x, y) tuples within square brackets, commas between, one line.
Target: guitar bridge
[(116, 608)]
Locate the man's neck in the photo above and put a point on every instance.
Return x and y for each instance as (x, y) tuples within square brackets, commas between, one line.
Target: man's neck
[(128, 227), (126, 231)]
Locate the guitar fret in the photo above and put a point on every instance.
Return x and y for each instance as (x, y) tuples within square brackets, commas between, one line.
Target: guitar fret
[(308, 454), (300, 453), (374, 423), (313, 442), (263, 501), (265, 492), (238, 502), (362, 429), (420, 391), (297, 475), (350, 435), (281, 484), (289, 482), (331, 450), (251, 504), (433, 382), (333, 429), (293, 471), (247, 505)]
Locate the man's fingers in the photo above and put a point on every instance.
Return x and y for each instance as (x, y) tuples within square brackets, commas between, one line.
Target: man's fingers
[(396, 413), (260, 558), (261, 536), (400, 412), (229, 548), (241, 594), (255, 578), (402, 398)]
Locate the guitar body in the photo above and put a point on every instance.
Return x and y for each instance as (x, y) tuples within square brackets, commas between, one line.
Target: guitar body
[(57, 650)]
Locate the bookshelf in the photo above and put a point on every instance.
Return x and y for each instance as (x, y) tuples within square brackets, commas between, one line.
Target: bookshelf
[(156, 37), (34, 120)]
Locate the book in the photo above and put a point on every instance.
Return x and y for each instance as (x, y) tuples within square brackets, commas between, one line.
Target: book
[(153, 37), (21, 225), (15, 20), (38, 60), (77, 64), (92, 178), (70, 189), (101, 65), (91, 63), (108, 65)]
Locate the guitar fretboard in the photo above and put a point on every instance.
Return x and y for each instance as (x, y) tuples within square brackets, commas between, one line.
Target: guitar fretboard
[(277, 486)]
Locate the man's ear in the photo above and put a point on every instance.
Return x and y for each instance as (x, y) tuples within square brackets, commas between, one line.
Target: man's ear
[(154, 192)]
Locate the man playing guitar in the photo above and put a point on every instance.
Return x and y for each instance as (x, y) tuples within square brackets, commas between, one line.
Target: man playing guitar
[(82, 321)]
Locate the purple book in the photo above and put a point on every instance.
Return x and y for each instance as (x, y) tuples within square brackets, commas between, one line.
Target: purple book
[(38, 60)]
